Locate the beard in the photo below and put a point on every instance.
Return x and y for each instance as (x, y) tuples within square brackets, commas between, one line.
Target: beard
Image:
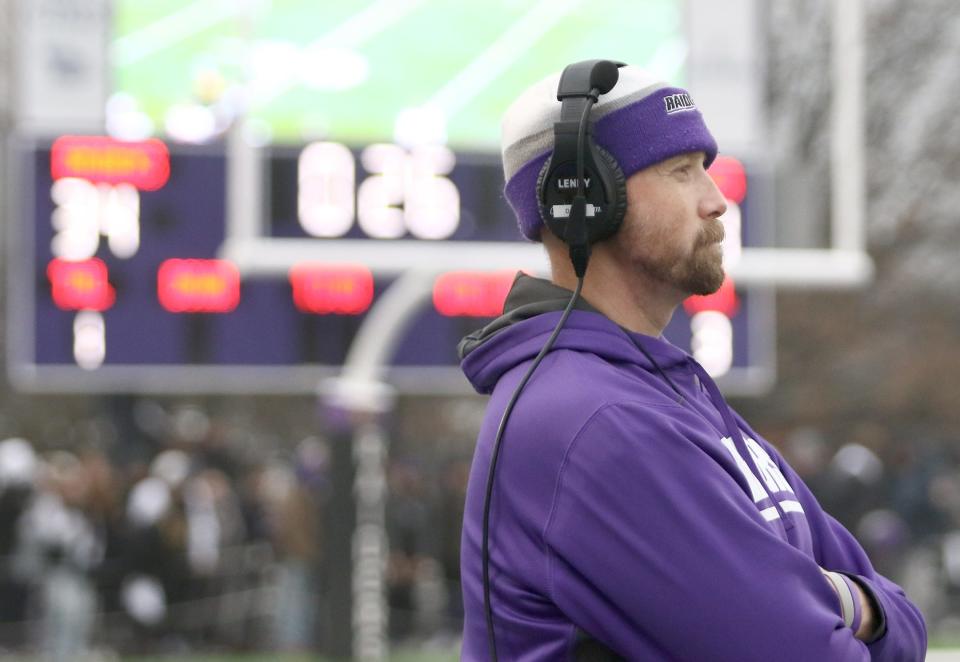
[(696, 271)]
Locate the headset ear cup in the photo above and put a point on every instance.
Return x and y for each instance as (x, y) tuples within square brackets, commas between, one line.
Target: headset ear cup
[(541, 193), (618, 199), (608, 170)]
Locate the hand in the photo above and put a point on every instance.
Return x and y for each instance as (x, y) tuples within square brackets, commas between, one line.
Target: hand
[(868, 620)]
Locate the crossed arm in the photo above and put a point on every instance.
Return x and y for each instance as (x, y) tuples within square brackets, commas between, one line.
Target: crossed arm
[(678, 566)]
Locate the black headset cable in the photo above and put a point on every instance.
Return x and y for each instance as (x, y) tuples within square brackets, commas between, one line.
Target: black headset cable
[(493, 463), (577, 238)]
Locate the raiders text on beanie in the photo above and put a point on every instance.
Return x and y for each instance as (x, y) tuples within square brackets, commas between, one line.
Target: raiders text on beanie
[(641, 121)]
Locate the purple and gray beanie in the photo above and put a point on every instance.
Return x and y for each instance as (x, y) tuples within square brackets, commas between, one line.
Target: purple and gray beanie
[(641, 121)]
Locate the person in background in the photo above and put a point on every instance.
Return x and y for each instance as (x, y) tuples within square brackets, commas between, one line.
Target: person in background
[(18, 473), (293, 516), (59, 549), (407, 516), (449, 519)]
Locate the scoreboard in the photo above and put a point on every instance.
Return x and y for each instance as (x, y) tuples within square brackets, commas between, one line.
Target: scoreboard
[(115, 283)]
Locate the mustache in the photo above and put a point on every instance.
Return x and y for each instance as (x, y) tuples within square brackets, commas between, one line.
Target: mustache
[(711, 234)]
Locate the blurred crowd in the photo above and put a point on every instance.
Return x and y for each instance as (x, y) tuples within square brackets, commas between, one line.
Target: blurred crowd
[(186, 547), (194, 545)]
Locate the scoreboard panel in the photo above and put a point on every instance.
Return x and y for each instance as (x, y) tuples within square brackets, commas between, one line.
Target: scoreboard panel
[(115, 285)]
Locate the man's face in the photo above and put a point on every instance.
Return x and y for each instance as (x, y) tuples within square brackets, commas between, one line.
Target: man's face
[(671, 231)]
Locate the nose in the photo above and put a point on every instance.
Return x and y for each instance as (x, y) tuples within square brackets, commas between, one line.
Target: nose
[(713, 204)]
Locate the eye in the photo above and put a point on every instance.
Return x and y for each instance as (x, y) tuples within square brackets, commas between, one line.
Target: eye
[(683, 170)]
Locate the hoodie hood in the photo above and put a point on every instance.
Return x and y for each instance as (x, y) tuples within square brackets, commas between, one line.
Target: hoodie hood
[(530, 313)]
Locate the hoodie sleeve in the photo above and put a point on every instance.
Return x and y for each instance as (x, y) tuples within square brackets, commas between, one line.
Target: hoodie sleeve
[(658, 552), (903, 635)]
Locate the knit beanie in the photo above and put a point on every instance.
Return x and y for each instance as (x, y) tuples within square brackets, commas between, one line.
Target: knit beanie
[(641, 121)]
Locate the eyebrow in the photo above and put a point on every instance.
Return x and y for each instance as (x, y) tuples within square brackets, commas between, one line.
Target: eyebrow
[(679, 159), (689, 157)]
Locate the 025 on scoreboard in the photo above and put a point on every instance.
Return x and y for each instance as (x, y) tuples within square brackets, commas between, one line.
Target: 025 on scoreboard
[(115, 285)]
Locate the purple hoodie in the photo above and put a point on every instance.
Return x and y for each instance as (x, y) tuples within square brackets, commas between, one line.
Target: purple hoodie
[(628, 521)]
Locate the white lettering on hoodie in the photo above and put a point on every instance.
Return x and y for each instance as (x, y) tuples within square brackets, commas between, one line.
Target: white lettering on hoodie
[(772, 476)]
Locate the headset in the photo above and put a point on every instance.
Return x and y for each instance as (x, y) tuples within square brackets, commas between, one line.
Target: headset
[(582, 197), (581, 188)]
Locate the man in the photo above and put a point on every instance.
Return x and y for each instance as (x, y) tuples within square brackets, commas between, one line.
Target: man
[(633, 514)]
